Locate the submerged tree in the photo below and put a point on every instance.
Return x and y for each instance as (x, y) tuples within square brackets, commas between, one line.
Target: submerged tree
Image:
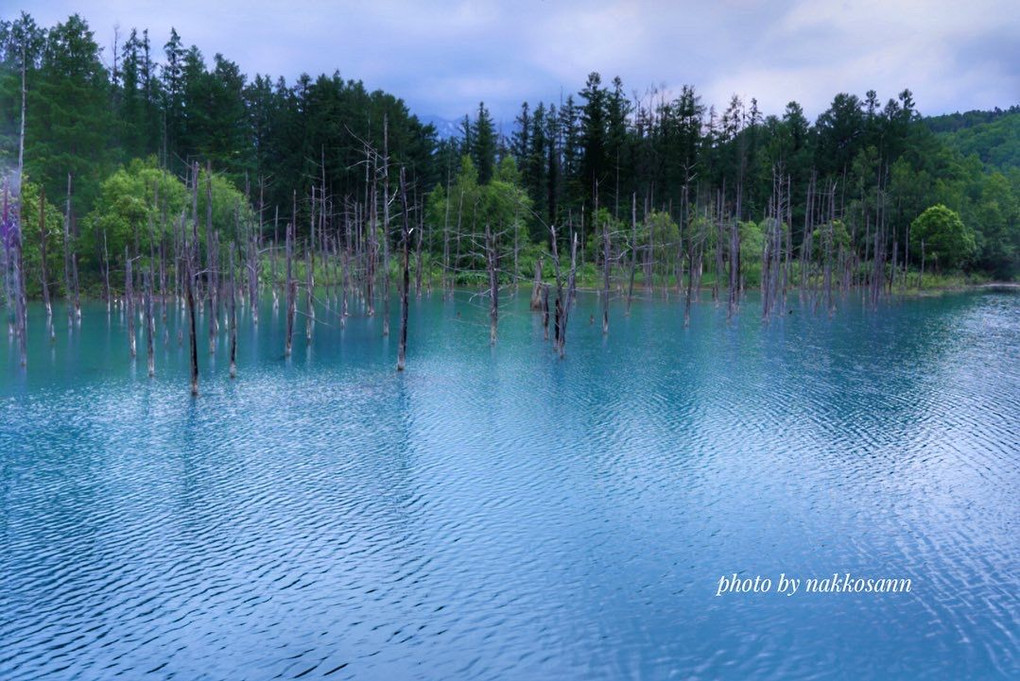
[(730, 194)]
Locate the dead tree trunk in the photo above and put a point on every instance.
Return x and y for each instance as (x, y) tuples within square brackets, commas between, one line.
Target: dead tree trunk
[(419, 246), (536, 289), (233, 315), (309, 295), (253, 267), (162, 271), (192, 325), (734, 291), (558, 303), (7, 268), (492, 261), (13, 266), (22, 294), (213, 297), (44, 272), (788, 236), (45, 269), (190, 266), (807, 237), (22, 311), (404, 290), (310, 275), (649, 253), (606, 264), (75, 284), (633, 249), (67, 254), (150, 328), (212, 266), (694, 244), (879, 251), (545, 311), (386, 228), (194, 225), (829, 246), (564, 312), (371, 247), (181, 254), (447, 287), (291, 291), (275, 257), (345, 276), (457, 254), (895, 265), (920, 277), (772, 245), (129, 306), (176, 241)]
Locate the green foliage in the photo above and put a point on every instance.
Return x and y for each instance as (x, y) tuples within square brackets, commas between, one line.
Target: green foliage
[(139, 125), (960, 121), (998, 214), (71, 123), (436, 217), (996, 142), (21, 40), (945, 238), (828, 239), (31, 239), (662, 233), (528, 257), (752, 241), (231, 212), (483, 145), (700, 234), (268, 138), (505, 204), (469, 208), (603, 220), (140, 206), (136, 207)]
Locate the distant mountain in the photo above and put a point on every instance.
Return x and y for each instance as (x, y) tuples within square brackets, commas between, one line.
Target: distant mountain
[(445, 128), (452, 129)]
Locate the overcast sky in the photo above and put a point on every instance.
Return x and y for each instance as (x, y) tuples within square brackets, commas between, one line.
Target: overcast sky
[(444, 57)]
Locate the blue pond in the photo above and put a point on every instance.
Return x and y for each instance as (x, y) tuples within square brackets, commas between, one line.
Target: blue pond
[(499, 513)]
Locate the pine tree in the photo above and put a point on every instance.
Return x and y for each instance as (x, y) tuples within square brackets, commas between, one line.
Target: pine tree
[(594, 129), (483, 145), (71, 139), (173, 96)]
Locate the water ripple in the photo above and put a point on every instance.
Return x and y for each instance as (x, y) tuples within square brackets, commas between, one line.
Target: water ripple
[(501, 513)]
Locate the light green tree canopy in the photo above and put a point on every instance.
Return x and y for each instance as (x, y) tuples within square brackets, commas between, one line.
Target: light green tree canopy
[(140, 206), (945, 237), (468, 207), (31, 234), (127, 207)]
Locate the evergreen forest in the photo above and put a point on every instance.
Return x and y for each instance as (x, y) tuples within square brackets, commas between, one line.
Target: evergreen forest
[(156, 168)]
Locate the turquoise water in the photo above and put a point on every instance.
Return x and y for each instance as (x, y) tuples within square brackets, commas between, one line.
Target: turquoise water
[(498, 513)]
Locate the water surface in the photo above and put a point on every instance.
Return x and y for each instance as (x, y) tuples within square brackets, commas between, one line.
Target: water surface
[(498, 513)]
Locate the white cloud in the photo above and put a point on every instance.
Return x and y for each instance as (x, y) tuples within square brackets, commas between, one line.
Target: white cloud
[(443, 57)]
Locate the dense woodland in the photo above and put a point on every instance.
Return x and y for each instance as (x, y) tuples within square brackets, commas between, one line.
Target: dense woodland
[(151, 166)]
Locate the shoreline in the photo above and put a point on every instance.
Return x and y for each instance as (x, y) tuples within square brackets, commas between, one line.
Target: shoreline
[(934, 290)]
